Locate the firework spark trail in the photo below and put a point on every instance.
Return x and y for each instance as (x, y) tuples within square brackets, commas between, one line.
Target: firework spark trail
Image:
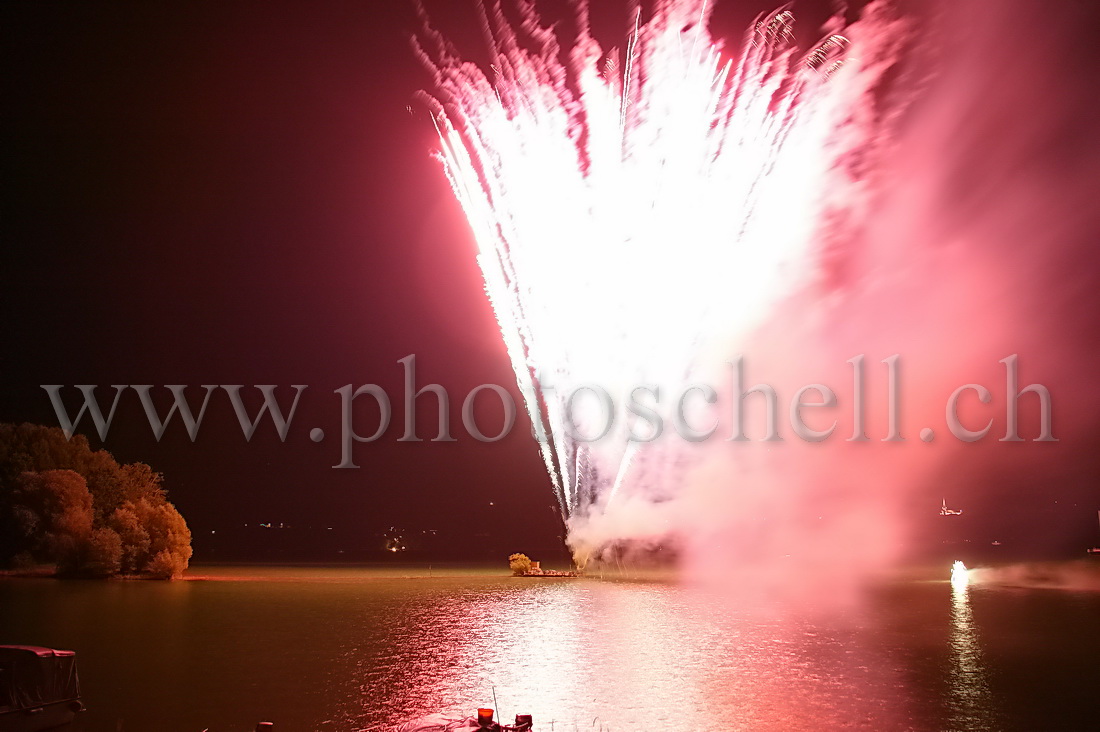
[(624, 220)]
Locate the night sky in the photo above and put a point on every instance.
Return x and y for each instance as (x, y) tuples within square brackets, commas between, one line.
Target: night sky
[(238, 193)]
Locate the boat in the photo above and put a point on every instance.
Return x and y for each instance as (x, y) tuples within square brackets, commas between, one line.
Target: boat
[(536, 570), (483, 721), (945, 511), (39, 688)]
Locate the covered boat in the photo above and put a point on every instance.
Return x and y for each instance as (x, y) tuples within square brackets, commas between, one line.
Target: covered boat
[(39, 688)]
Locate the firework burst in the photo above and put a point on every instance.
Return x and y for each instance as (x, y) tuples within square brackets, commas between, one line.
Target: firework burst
[(631, 207)]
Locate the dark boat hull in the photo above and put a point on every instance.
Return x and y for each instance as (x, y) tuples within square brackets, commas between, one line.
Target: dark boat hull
[(47, 716)]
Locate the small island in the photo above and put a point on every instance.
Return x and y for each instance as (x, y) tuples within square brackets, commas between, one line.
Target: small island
[(522, 566)]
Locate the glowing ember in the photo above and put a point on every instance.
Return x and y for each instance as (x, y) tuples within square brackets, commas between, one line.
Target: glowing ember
[(630, 209)]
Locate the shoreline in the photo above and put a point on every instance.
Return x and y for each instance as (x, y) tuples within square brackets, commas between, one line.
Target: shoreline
[(1081, 574)]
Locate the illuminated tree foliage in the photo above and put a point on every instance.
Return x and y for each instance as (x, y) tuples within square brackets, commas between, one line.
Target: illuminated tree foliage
[(520, 564), (64, 504)]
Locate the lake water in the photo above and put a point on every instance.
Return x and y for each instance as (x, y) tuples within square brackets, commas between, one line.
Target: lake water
[(362, 649)]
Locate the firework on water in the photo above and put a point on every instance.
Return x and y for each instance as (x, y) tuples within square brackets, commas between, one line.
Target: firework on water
[(634, 208)]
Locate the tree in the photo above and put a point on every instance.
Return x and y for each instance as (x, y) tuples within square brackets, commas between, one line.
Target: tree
[(166, 565), (155, 538), (53, 516), (64, 503), (170, 540), (103, 557), (133, 537), (138, 480), (520, 564)]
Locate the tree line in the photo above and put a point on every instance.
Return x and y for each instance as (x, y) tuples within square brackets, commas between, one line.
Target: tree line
[(66, 505)]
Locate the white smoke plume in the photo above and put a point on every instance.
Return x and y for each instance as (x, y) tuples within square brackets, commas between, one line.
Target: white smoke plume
[(647, 217)]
